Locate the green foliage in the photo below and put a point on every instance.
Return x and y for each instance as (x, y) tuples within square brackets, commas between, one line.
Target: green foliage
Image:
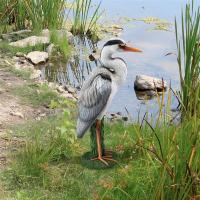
[(35, 94), (20, 73), (161, 163), (85, 18), (5, 48), (33, 14), (44, 142), (61, 43), (188, 45)]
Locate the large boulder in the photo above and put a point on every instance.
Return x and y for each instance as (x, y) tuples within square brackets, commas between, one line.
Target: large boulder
[(31, 41), (37, 57), (144, 82)]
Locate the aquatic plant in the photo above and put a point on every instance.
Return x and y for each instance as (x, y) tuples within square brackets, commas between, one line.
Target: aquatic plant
[(188, 47), (85, 18), (33, 14), (61, 42)]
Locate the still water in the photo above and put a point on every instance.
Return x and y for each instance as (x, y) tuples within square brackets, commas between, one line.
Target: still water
[(155, 44)]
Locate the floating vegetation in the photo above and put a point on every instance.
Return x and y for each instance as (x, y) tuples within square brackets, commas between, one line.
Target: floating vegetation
[(159, 24)]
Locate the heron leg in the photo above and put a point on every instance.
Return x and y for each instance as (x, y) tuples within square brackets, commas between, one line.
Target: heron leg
[(100, 157)]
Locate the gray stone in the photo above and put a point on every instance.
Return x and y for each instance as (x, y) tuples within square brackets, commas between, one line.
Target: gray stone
[(70, 89), (30, 41), (37, 57), (144, 82), (60, 89)]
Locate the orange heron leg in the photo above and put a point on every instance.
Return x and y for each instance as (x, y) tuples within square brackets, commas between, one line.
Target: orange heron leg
[(100, 157)]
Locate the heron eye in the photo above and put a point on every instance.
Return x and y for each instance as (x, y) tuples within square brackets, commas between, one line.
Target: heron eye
[(122, 45)]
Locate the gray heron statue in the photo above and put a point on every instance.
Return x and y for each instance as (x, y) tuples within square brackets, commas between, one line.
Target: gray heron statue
[(99, 89)]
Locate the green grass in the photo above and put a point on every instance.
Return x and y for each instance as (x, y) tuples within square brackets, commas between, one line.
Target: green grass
[(189, 60), (20, 73), (5, 48), (34, 94), (32, 14), (85, 18), (61, 43), (153, 165)]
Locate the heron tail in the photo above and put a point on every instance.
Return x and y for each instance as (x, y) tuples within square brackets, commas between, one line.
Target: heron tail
[(81, 128)]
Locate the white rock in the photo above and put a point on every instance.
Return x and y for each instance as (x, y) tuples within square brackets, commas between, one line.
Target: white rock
[(144, 82), (36, 74), (31, 41), (60, 89), (18, 114), (37, 57)]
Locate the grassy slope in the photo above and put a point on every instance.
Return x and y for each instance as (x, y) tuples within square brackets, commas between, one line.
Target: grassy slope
[(46, 164)]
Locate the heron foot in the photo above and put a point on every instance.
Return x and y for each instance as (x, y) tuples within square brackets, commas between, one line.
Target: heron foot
[(104, 159)]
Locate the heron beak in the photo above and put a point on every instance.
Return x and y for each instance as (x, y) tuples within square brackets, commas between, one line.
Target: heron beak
[(130, 49)]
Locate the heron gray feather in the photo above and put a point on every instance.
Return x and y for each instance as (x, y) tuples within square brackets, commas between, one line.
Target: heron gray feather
[(93, 99)]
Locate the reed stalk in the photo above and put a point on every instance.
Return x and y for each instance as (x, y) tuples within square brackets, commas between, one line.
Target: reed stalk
[(188, 47)]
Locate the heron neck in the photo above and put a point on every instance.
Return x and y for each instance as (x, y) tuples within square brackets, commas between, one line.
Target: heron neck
[(115, 64)]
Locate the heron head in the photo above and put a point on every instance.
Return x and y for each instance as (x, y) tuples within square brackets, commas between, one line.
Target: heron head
[(118, 45)]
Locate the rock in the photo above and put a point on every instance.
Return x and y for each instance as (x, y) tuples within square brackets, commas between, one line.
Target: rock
[(143, 82), (60, 89), (50, 49), (36, 74), (13, 36), (60, 33), (52, 85), (68, 96), (31, 41), (42, 115), (20, 54), (37, 57), (70, 89), (22, 63), (18, 114)]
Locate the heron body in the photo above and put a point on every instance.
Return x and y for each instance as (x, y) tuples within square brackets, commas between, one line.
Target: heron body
[(102, 84)]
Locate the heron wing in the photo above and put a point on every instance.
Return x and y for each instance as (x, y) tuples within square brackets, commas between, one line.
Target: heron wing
[(92, 102)]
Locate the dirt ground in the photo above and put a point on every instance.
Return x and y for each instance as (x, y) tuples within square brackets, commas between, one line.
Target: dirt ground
[(12, 111)]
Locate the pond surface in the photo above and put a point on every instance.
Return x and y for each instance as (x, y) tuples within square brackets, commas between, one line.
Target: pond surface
[(142, 34)]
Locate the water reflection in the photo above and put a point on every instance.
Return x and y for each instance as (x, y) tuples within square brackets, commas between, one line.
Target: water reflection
[(146, 95), (74, 70)]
